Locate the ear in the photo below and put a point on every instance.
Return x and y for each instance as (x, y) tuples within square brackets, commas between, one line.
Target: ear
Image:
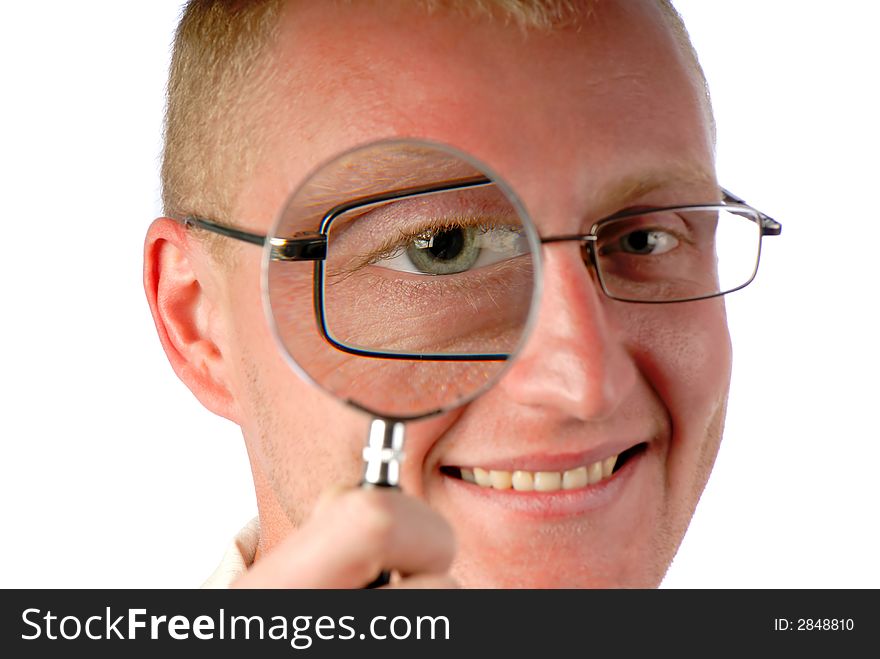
[(187, 318)]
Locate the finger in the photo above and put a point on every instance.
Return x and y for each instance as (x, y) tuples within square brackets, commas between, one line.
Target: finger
[(351, 538), (328, 495)]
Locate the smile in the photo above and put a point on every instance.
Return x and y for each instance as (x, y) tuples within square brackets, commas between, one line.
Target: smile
[(545, 481)]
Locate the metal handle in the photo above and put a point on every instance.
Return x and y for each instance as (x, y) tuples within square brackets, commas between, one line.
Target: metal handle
[(383, 455)]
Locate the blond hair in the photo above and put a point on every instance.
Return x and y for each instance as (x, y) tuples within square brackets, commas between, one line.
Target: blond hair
[(215, 69), (217, 48)]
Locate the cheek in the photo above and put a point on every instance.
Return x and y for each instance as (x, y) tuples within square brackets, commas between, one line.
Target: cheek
[(291, 427), (684, 352)]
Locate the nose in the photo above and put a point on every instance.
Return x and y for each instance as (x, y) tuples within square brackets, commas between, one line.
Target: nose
[(575, 361)]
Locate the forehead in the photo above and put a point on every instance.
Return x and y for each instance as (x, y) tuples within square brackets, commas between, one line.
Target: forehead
[(562, 114)]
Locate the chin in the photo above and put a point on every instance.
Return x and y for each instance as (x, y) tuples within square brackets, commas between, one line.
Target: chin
[(626, 572)]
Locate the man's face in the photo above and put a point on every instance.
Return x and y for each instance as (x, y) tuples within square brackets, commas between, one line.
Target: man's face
[(582, 122)]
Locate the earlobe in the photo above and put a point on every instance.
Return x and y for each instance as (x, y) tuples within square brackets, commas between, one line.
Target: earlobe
[(185, 316)]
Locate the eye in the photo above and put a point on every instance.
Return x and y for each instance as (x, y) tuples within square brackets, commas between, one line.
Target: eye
[(645, 242), (456, 249), (444, 252)]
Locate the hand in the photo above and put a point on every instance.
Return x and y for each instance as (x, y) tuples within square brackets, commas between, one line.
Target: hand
[(351, 536)]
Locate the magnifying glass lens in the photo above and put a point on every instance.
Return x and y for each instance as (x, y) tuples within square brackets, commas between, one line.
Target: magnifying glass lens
[(423, 285)]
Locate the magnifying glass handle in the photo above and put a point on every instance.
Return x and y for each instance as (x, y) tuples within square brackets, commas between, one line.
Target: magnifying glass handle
[(382, 457)]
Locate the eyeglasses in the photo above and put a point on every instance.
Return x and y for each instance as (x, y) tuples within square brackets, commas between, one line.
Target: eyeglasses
[(676, 253), (653, 255)]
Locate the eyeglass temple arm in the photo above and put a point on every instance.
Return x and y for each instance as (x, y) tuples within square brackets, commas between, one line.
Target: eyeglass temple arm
[(229, 232), (312, 246), (769, 226), (306, 246)]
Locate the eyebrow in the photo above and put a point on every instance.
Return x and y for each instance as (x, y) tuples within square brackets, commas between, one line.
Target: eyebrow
[(617, 195), (380, 174), (393, 170)]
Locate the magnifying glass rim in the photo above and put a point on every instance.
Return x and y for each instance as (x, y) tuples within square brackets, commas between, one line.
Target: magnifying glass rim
[(532, 237)]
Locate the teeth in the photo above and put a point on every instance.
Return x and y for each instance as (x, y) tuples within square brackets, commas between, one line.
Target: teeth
[(523, 481), (608, 466), (541, 481), (501, 480), (548, 481), (594, 472), (482, 477), (574, 478)]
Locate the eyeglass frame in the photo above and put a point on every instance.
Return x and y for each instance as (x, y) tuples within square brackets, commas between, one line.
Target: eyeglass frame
[(312, 246)]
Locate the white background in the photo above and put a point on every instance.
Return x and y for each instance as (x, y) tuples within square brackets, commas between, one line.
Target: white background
[(111, 474)]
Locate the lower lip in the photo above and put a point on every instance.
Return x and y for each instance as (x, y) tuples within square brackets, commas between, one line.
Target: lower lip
[(559, 503)]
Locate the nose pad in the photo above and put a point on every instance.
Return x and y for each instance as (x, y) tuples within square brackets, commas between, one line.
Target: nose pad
[(587, 247), (587, 253), (590, 259)]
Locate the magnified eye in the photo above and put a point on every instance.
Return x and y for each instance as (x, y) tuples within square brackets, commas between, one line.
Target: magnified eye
[(645, 242), (444, 252), (456, 249)]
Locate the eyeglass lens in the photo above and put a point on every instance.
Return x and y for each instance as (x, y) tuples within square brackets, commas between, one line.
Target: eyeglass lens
[(682, 254)]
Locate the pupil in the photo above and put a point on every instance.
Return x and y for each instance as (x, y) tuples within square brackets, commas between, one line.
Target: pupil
[(638, 240), (447, 244)]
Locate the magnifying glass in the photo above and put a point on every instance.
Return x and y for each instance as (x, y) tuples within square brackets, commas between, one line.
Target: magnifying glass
[(402, 277)]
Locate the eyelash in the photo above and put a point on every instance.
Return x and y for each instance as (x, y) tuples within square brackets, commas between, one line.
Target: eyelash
[(394, 249)]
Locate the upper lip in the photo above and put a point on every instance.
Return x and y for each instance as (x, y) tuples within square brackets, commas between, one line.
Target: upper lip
[(544, 461)]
